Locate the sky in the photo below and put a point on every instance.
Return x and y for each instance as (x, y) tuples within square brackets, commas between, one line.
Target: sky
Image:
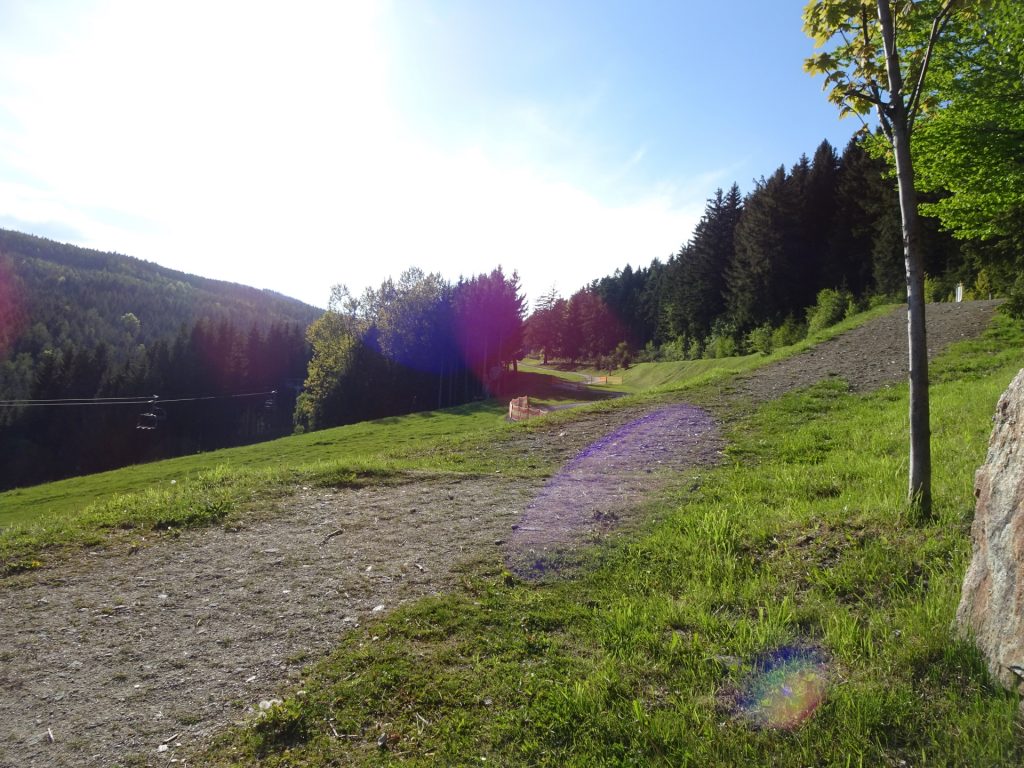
[(295, 146)]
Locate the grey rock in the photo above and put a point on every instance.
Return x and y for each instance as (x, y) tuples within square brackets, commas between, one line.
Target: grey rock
[(991, 610)]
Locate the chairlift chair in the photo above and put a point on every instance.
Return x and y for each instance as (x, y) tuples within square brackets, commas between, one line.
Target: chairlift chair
[(146, 421), (151, 418)]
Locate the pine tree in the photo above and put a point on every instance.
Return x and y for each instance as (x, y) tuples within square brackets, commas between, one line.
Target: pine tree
[(696, 279), (544, 326), (864, 198), (818, 212), (754, 279)]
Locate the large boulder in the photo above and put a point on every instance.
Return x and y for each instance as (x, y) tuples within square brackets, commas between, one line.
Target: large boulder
[(991, 610)]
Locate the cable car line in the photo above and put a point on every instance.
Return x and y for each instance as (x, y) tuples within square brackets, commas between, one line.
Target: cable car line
[(77, 400), (140, 400)]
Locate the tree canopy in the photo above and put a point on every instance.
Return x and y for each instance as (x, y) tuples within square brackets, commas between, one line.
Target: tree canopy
[(410, 345), (970, 153)]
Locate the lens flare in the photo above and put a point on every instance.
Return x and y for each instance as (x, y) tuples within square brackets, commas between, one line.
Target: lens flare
[(785, 687), (606, 481)]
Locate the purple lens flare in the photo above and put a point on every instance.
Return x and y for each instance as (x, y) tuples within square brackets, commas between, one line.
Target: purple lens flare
[(607, 481)]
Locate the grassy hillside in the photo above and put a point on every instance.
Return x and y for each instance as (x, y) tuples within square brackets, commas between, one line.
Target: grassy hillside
[(651, 653), (206, 488), (798, 541)]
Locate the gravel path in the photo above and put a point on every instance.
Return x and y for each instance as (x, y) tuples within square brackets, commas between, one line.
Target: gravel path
[(868, 357), (135, 659), (606, 481)]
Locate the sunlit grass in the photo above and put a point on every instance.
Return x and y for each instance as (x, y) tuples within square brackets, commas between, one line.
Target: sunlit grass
[(801, 537), (675, 375), (203, 489)]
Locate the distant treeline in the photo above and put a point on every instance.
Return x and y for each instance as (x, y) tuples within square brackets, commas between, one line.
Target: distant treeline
[(214, 386), (805, 246), (77, 323)]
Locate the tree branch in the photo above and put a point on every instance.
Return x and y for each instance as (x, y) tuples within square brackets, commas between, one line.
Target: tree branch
[(884, 121), (938, 24), (871, 95), (867, 36)]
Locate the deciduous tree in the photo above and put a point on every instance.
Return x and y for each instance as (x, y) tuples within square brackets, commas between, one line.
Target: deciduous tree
[(876, 58), (971, 152)]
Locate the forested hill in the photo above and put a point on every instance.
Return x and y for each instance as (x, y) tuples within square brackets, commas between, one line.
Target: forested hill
[(90, 341), (80, 296)]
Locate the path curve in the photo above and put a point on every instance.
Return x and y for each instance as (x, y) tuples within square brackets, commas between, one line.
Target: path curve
[(870, 356)]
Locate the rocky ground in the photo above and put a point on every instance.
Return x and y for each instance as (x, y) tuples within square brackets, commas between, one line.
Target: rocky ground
[(136, 657)]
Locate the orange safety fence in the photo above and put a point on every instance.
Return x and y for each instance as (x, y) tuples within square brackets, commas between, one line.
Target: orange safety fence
[(519, 408), (605, 380)]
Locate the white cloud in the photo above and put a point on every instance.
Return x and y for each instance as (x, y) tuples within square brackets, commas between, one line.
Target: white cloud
[(241, 142), (464, 214)]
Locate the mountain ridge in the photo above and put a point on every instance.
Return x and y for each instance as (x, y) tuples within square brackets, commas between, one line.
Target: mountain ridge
[(39, 271)]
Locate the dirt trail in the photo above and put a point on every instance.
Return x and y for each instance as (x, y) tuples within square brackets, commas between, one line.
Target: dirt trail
[(129, 659), (868, 357), (118, 653), (602, 484)]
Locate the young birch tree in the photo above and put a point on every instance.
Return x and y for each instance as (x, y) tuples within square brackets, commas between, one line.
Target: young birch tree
[(875, 57)]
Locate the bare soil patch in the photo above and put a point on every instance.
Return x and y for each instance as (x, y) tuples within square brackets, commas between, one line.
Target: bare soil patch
[(136, 658)]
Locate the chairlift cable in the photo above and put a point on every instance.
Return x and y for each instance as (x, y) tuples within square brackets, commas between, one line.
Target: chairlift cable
[(142, 400), (75, 400), (72, 403)]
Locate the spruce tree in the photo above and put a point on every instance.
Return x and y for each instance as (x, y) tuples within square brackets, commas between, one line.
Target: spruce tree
[(818, 213), (754, 290), (697, 277)]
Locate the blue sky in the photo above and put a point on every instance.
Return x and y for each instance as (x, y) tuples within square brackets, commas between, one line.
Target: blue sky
[(295, 146)]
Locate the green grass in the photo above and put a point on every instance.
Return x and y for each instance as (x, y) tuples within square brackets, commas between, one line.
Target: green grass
[(549, 387), (385, 442), (642, 377), (578, 374), (799, 537), (39, 523), (675, 375), (208, 488), (648, 376)]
